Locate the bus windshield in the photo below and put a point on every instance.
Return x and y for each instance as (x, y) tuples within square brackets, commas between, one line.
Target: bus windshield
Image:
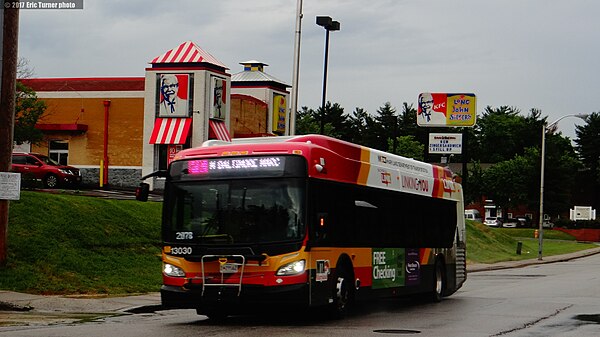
[(235, 211)]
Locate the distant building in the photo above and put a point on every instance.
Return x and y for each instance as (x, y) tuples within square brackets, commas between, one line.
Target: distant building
[(261, 102)]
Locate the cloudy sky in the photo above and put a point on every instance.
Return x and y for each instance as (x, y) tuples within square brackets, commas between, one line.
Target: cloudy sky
[(541, 54)]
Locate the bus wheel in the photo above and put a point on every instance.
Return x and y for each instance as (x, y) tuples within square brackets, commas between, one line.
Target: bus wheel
[(343, 295), (439, 280)]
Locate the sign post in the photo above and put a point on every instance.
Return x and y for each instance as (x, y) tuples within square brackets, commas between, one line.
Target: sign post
[(448, 110), (10, 186)]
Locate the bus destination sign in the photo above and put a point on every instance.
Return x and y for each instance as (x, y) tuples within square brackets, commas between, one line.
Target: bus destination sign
[(208, 166)]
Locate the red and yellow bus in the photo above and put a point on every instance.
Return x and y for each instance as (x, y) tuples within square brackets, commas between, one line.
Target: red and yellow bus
[(306, 221)]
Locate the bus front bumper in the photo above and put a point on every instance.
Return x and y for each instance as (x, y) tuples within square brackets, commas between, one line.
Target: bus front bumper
[(250, 297)]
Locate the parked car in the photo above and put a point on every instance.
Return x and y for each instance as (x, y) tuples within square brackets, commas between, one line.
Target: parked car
[(547, 224), (493, 221), (510, 223), (472, 214), (35, 166), (523, 222)]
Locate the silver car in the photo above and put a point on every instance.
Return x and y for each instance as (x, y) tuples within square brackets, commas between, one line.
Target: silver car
[(492, 221)]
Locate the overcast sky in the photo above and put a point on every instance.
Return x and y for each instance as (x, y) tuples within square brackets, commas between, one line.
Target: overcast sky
[(541, 54)]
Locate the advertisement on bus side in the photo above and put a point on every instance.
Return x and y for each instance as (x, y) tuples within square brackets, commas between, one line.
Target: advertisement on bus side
[(395, 267)]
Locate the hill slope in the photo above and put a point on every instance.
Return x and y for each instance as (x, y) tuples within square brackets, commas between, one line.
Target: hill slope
[(65, 244)]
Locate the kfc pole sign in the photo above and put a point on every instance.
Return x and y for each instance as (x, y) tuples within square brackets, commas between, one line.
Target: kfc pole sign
[(446, 110)]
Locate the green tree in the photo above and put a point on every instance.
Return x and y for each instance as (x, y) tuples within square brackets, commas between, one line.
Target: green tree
[(385, 127), (588, 144), (507, 182), (361, 125), (307, 121), (334, 117), (475, 189), (561, 167), (515, 182), (407, 121), (335, 122), (502, 132), (406, 146), (28, 110), (588, 147)]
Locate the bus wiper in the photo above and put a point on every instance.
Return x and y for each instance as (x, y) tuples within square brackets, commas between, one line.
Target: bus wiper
[(212, 221), (244, 199)]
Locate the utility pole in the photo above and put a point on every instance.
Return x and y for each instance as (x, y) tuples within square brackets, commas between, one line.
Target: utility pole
[(10, 34), (291, 120)]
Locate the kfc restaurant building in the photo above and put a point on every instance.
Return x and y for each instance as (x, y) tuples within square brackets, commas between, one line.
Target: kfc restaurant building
[(117, 130)]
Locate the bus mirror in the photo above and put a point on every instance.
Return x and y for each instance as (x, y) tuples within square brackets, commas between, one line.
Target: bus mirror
[(142, 191)]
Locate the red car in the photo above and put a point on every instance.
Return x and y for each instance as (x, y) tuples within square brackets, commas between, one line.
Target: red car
[(39, 167)]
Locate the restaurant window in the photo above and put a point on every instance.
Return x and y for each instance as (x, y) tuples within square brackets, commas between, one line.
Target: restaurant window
[(58, 150)]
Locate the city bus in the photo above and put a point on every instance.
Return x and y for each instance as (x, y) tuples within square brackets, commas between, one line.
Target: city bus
[(306, 221)]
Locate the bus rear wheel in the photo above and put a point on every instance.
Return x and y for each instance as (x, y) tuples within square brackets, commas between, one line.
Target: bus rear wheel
[(439, 282)]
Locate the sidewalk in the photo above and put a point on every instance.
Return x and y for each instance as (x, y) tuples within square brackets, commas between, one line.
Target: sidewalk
[(13, 301), (19, 302)]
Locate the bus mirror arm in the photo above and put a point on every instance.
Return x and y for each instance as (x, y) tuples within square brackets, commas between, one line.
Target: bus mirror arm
[(142, 191), (159, 173)]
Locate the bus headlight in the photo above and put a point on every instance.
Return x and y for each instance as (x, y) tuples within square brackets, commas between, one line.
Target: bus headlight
[(171, 270), (293, 268)]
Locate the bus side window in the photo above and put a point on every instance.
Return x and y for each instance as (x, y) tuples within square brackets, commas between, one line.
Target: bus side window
[(322, 227)]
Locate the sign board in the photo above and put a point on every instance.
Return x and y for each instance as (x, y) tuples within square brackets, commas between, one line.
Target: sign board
[(172, 150), (218, 101), (445, 143), (10, 186), (446, 110), (279, 112), (173, 95), (582, 213)]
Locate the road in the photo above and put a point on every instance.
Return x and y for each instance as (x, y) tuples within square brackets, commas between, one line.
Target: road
[(559, 299)]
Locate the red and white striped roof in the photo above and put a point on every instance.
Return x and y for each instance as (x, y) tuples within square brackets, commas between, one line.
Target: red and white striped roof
[(170, 130), (218, 130), (187, 52)]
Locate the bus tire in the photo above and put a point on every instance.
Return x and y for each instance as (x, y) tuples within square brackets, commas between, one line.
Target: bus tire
[(439, 282), (343, 294)]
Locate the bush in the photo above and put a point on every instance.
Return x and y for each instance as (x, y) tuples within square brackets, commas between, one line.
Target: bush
[(579, 224)]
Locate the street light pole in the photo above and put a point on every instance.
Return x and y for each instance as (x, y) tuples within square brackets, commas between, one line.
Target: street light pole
[(291, 121), (543, 155), (329, 25), (541, 218)]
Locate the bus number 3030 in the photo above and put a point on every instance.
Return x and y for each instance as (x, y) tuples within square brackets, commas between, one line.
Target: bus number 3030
[(181, 250)]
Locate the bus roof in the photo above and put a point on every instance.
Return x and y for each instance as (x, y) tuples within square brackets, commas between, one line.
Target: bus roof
[(334, 159)]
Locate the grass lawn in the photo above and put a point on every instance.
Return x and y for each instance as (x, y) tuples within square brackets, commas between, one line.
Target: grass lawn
[(490, 245), (65, 244)]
